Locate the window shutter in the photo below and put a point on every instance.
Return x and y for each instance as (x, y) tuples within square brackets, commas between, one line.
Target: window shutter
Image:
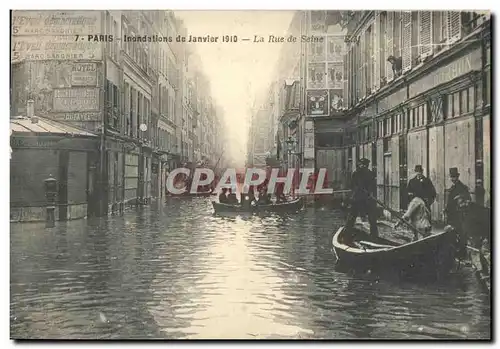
[(425, 33), (376, 52), (454, 26), (406, 42), (346, 77), (362, 61), (390, 43)]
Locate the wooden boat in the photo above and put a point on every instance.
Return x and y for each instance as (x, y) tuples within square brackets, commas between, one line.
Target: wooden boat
[(357, 249), (188, 194), (289, 206)]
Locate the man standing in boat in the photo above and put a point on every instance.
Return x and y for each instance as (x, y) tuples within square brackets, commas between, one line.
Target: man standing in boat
[(422, 187), (363, 186), (453, 213)]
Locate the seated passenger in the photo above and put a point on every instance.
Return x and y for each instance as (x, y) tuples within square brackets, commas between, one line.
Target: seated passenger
[(222, 196), (231, 197)]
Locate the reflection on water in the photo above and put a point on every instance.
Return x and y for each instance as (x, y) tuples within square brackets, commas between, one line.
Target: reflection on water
[(175, 270)]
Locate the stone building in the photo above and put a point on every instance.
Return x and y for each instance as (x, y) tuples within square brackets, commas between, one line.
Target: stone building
[(419, 86), (129, 92)]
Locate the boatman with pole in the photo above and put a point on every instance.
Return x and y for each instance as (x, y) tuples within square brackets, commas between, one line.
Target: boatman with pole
[(363, 186)]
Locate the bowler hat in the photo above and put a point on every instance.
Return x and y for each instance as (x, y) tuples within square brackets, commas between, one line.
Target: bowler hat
[(454, 172), (418, 168), (364, 161)]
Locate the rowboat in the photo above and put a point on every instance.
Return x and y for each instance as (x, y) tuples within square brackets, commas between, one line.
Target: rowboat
[(357, 249), (290, 206), (188, 194)]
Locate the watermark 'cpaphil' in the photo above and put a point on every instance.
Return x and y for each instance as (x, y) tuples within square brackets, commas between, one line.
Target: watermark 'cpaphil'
[(197, 181), (288, 180), (171, 177), (253, 177)]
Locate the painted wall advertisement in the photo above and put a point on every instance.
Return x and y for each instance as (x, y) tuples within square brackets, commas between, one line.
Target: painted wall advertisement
[(50, 35), (76, 99)]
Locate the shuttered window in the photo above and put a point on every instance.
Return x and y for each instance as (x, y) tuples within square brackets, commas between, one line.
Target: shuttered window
[(397, 34), (454, 26), (425, 33), (406, 42), (376, 52), (389, 35), (369, 59), (382, 48), (346, 77), (361, 59)]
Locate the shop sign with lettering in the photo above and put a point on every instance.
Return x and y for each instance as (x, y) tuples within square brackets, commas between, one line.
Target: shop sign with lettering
[(76, 99), (84, 74), (77, 116), (460, 66)]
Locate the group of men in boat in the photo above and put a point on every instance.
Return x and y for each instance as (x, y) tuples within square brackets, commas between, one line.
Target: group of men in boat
[(461, 214), (248, 197)]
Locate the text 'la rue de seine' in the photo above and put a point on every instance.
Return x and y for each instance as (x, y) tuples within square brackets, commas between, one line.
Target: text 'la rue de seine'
[(290, 38)]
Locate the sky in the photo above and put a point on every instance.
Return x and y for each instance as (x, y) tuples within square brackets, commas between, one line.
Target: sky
[(238, 72)]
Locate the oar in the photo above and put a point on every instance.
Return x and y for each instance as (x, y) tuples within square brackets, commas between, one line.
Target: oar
[(395, 213)]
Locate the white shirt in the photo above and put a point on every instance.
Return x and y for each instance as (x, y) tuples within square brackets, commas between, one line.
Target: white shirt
[(418, 214)]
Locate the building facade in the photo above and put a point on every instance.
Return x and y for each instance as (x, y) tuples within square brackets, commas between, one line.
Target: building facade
[(399, 88), (419, 86), (129, 92)]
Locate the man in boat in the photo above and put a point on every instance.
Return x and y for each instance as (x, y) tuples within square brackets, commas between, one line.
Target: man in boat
[(280, 192), (222, 196), (453, 214), (422, 187), (363, 187), (418, 215), (264, 198), (231, 197)]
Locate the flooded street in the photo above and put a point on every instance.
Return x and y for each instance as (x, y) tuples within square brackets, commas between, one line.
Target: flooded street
[(175, 270)]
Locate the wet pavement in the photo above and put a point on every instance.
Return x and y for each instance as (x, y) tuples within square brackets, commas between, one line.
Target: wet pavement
[(177, 271)]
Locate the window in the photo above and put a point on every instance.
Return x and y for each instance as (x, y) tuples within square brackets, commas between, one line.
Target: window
[(406, 25), (464, 105), (139, 114), (389, 39), (116, 42), (425, 33), (382, 44)]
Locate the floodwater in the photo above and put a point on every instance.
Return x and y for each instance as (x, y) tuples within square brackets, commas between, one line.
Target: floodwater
[(177, 271)]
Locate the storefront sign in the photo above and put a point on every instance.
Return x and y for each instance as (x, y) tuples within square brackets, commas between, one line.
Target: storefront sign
[(77, 116), (76, 99), (318, 103), (34, 142), (39, 48), (460, 66), (84, 74), (40, 22)]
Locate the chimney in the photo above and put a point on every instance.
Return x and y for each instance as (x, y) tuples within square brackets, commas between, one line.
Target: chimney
[(31, 111)]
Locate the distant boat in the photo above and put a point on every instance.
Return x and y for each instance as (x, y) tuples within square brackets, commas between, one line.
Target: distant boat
[(356, 249), (289, 206)]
